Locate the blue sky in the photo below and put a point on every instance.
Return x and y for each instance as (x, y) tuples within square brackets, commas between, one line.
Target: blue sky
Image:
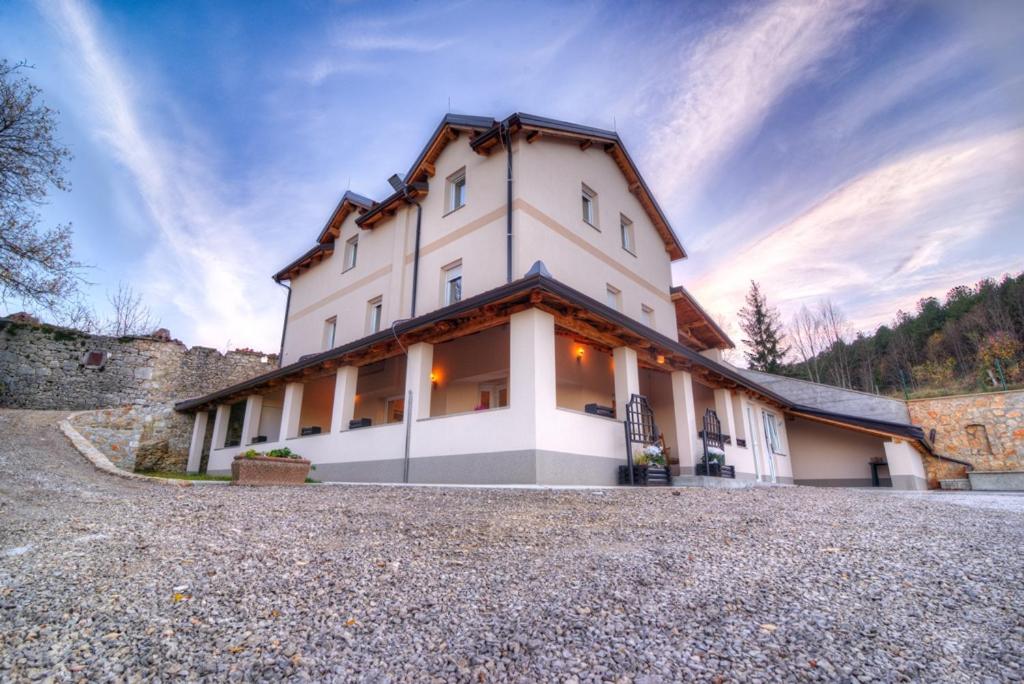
[(870, 152)]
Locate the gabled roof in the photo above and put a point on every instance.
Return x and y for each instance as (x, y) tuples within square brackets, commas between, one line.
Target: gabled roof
[(695, 323), (350, 202), (485, 135)]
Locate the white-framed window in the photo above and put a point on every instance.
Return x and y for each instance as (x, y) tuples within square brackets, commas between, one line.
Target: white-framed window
[(351, 251), (492, 395), (771, 431), (330, 329), (452, 283), (647, 315), (374, 314), (394, 409), (613, 297), (455, 192), (628, 235), (589, 199)]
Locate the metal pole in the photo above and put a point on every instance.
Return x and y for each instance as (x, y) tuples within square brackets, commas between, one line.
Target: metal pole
[(408, 436)]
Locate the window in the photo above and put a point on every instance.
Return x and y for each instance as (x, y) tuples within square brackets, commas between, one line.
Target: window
[(589, 199), (452, 283), (628, 236), (647, 315), (395, 410), (351, 248), (771, 431), (374, 317), (330, 327), (456, 191), (492, 395), (613, 298)]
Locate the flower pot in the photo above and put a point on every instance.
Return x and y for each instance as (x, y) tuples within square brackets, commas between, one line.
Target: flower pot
[(263, 471)]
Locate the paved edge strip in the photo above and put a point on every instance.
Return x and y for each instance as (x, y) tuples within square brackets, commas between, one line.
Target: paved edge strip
[(102, 463)]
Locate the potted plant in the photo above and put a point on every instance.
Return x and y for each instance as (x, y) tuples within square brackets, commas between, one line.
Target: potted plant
[(274, 467), (715, 461)]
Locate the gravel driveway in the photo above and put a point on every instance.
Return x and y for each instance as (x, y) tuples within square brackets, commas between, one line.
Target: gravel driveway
[(102, 578)]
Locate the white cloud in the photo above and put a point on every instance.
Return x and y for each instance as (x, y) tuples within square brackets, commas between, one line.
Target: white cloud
[(886, 233), (203, 263), (731, 80)]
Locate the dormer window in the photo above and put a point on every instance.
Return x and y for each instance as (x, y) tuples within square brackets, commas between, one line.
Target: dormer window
[(589, 199), (456, 191), (628, 235), (351, 251)]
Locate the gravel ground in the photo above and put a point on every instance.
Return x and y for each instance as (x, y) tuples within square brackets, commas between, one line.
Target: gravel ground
[(107, 579)]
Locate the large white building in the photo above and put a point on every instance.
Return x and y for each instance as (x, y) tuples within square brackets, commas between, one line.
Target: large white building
[(466, 328)]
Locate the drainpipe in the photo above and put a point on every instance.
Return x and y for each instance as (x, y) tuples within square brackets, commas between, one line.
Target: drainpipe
[(506, 138), (284, 328), (416, 252)]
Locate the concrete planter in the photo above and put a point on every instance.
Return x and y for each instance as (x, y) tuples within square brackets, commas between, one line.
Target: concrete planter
[(997, 481), (263, 471)]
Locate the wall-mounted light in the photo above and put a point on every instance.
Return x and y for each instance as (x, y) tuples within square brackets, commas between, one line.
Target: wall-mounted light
[(579, 354), (433, 378), (661, 358)]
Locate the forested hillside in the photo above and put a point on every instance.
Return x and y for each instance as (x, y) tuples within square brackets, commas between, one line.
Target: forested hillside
[(971, 341)]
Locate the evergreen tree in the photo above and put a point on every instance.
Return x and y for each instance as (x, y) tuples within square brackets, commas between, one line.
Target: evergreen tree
[(763, 329)]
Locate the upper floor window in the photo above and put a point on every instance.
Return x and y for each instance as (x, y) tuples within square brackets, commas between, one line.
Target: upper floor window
[(351, 249), (456, 191), (374, 314), (613, 297), (628, 235), (647, 315), (453, 283), (330, 329), (589, 199)]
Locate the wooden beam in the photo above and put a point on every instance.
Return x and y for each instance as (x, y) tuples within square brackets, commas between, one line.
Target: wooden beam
[(585, 145), (429, 168), (532, 135)]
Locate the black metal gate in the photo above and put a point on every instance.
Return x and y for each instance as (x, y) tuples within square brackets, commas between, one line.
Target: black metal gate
[(640, 428)]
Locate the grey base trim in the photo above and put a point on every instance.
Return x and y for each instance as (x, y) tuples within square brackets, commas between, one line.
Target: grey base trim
[(1009, 481), (527, 466), (845, 482), (909, 482)]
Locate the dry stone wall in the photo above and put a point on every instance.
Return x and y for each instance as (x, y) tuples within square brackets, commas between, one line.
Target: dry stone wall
[(986, 430), (127, 386)]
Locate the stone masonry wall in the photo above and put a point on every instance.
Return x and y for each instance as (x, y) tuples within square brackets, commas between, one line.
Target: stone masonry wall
[(986, 430), (130, 398)]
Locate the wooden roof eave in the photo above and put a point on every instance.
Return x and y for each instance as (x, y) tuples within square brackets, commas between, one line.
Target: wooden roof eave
[(306, 261)]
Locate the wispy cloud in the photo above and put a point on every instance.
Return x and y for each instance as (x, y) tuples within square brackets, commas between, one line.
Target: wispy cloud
[(730, 81), (391, 43), (882, 231), (201, 263)]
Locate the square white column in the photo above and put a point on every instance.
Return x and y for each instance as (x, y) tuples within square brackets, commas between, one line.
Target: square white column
[(195, 449), (344, 407), (220, 426), (291, 411), (419, 363), (685, 417), (531, 367), (627, 379), (251, 421), (905, 465)]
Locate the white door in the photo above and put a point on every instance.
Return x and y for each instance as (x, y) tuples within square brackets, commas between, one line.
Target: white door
[(768, 451), (752, 431)]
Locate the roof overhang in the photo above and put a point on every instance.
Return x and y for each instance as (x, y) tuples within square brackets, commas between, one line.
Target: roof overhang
[(350, 202), (879, 428), (695, 324), (311, 258)]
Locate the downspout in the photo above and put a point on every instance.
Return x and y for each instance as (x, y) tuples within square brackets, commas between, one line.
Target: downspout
[(284, 328), (507, 139), (416, 252)]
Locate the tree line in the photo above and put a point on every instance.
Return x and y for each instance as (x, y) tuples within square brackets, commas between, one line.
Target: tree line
[(972, 340)]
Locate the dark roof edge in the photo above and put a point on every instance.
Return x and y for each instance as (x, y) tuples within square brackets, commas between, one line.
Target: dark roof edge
[(352, 198), (686, 293), (281, 275)]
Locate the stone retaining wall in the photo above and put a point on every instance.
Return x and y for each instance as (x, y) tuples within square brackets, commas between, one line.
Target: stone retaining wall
[(126, 385), (986, 430)]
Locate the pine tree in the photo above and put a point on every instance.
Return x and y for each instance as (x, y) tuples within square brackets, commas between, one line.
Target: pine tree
[(763, 328)]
